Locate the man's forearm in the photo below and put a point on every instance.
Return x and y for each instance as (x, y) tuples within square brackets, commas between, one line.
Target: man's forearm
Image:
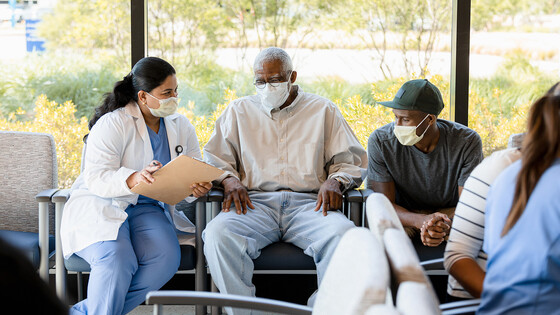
[(408, 218)]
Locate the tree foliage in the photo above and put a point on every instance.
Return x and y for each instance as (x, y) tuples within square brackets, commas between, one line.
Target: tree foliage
[(408, 26), (184, 31), (277, 22), (89, 26)]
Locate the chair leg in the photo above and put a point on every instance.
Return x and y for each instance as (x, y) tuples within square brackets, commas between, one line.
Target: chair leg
[(44, 241), (80, 280), (200, 271), (158, 309), (215, 310), (60, 269)]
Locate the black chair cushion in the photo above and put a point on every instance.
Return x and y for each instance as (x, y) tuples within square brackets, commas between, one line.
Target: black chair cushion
[(28, 243), (188, 257), (188, 260), (283, 256)]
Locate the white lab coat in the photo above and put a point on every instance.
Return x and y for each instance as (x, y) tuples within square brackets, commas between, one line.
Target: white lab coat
[(117, 146)]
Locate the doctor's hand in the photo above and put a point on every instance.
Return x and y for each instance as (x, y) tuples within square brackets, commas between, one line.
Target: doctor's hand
[(235, 192), (329, 196), (200, 189), (144, 175)]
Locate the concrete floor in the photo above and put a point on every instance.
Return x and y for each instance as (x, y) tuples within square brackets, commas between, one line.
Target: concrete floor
[(167, 310)]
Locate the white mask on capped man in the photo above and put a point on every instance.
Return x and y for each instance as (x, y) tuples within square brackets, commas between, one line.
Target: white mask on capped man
[(167, 106), (407, 134)]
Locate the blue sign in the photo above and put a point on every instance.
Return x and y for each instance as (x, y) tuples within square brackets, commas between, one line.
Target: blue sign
[(34, 43)]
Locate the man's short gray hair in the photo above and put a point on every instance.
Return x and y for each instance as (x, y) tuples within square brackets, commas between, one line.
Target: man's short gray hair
[(273, 54)]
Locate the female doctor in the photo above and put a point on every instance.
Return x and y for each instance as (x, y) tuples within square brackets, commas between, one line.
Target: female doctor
[(129, 239)]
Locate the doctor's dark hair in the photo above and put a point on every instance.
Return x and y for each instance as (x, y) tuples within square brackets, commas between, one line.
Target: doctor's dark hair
[(147, 74)]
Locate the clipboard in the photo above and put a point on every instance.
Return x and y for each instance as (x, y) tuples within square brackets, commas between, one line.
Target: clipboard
[(172, 181)]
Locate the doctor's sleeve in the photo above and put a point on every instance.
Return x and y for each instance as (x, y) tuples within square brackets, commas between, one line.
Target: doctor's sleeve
[(103, 173)]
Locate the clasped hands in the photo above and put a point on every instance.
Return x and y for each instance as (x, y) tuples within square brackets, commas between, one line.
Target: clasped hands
[(329, 196), (146, 176), (435, 229)]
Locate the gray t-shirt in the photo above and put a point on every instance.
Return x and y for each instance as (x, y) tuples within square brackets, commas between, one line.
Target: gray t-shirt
[(425, 181)]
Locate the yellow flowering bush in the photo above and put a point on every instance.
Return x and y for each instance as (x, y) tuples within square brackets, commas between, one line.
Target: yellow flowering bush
[(59, 121), (204, 125), (493, 126)]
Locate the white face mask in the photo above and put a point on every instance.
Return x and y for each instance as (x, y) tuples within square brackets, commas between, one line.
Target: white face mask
[(274, 97), (167, 106), (407, 134)]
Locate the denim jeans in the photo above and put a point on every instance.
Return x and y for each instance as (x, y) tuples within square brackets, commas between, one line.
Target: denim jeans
[(232, 241), (143, 258)]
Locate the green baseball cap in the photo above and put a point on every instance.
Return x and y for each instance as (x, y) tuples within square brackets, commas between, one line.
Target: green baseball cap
[(419, 95)]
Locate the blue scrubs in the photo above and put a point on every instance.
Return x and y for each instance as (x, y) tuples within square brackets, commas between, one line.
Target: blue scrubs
[(143, 258), (523, 270)]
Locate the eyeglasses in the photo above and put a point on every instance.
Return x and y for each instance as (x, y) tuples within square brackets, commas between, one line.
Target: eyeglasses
[(274, 82), (261, 84)]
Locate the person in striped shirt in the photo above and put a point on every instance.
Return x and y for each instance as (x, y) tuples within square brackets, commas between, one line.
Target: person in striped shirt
[(464, 258)]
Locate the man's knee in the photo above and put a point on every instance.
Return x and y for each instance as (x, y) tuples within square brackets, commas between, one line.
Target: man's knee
[(217, 234)]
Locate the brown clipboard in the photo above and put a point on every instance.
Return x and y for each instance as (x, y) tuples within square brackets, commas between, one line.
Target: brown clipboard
[(173, 181)]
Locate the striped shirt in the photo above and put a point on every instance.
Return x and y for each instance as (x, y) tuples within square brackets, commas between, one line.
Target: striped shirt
[(467, 232)]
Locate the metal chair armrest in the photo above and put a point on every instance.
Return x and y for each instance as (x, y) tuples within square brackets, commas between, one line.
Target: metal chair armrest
[(159, 298), (459, 304), (433, 264), (355, 206), (216, 195), (460, 307), (61, 195), (365, 193), (45, 195), (354, 195)]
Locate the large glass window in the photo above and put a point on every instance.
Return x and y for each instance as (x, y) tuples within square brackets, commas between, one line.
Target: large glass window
[(515, 58), (58, 58), (352, 52)]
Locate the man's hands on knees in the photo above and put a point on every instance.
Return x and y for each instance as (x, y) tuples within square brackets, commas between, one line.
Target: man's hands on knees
[(236, 193), (435, 229), (329, 196)]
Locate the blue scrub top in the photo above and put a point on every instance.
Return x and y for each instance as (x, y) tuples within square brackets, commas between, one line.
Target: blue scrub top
[(523, 270), (160, 148)]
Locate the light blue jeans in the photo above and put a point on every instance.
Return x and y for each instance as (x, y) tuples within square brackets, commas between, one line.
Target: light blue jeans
[(232, 241), (143, 258)]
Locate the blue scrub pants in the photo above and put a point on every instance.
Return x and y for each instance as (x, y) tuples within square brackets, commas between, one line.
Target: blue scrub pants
[(143, 258), (232, 241)]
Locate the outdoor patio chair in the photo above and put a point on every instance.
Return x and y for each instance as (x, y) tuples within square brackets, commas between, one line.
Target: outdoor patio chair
[(29, 176)]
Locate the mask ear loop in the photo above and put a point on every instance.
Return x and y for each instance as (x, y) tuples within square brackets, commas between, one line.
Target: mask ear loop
[(426, 127)]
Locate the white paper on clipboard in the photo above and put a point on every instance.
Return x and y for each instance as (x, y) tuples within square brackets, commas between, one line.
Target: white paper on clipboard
[(173, 181)]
